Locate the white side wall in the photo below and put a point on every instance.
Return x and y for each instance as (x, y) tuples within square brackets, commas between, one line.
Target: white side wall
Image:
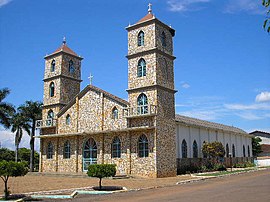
[(191, 133)]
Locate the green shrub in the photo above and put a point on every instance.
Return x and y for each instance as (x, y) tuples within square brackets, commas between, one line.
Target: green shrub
[(101, 170), (219, 167)]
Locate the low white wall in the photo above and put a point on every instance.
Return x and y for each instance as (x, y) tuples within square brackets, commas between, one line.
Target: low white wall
[(262, 162)]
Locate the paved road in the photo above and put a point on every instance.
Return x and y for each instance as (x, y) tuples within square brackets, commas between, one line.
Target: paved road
[(247, 187)]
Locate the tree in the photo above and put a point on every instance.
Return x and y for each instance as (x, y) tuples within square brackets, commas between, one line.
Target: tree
[(24, 156), (266, 24), (213, 149), (7, 154), (6, 109), (11, 169), (33, 111), (101, 170), (19, 123), (256, 147)]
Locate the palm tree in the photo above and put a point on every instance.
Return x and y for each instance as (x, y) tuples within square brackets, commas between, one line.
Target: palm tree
[(19, 123), (33, 111), (6, 109)]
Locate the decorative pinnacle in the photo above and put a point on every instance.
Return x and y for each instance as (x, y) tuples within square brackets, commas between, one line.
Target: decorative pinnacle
[(64, 40), (149, 8)]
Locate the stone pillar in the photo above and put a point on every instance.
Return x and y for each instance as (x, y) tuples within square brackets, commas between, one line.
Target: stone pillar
[(56, 154), (40, 155), (76, 153)]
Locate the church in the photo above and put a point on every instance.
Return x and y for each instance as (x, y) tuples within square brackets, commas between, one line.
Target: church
[(142, 136)]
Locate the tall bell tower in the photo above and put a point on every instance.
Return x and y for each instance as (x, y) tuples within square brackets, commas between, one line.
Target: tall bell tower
[(151, 84), (62, 80)]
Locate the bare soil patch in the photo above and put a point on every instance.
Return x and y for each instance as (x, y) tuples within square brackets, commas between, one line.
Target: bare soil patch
[(35, 183)]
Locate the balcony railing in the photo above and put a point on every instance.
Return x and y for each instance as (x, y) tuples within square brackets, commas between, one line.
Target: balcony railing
[(46, 123), (141, 110)]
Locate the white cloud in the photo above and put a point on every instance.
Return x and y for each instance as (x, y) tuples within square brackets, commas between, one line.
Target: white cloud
[(249, 6), (263, 97), (7, 140), (4, 2), (249, 116), (262, 106), (185, 5), (185, 85)]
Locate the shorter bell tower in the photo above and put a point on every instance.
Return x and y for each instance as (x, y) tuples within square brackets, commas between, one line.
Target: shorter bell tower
[(62, 80)]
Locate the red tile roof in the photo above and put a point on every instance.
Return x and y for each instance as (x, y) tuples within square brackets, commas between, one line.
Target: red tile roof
[(66, 49), (149, 16)]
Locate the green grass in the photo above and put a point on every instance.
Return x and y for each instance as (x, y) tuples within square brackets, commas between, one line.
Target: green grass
[(224, 172)]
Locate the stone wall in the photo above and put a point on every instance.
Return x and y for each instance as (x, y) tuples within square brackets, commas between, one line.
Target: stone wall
[(149, 39), (150, 79), (165, 135), (129, 163)]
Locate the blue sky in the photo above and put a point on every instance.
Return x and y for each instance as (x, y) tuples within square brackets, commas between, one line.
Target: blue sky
[(222, 68)]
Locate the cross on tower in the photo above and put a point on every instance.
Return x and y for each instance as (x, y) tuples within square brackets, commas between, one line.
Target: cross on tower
[(90, 78), (149, 8)]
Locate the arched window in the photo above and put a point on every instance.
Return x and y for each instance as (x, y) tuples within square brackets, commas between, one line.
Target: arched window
[(248, 151), (184, 149), (204, 154), (163, 39), (50, 151), (68, 119), (143, 146), (66, 150), (51, 89), (233, 150), (53, 66), (116, 148), (195, 149), (141, 71), (89, 153), (115, 113), (227, 150), (142, 104), (71, 67), (141, 38), (50, 114), (244, 151)]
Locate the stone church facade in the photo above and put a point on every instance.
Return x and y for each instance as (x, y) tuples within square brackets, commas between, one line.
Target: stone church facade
[(142, 136)]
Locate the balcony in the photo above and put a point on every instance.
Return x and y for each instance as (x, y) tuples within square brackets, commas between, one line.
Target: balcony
[(46, 123), (138, 111)]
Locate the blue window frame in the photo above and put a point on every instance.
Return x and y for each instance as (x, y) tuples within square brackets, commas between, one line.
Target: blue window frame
[(50, 116), (66, 150), (71, 68), (53, 66), (89, 153), (68, 119), (51, 89), (143, 150), (116, 148), (50, 151), (142, 104), (115, 113), (141, 70), (184, 148), (141, 38)]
